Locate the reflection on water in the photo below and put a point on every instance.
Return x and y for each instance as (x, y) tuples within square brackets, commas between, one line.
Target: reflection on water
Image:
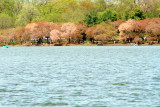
[(80, 76)]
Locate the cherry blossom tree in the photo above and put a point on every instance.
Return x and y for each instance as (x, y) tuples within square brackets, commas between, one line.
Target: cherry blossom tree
[(68, 30), (38, 30), (90, 33), (104, 32), (79, 34), (127, 30), (127, 27), (141, 25), (22, 34), (9, 33), (3, 39), (118, 23), (153, 29), (55, 35)]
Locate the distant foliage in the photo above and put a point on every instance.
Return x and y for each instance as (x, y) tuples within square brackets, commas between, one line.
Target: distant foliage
[(77, 21), (6, 21), (28, 14), (91, 12), (94, 17), (91, 19), (137, 14)]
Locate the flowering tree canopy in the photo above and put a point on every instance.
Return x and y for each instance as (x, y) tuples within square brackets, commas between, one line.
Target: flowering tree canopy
[(39, 29), (153, 27), (118, 23), (126, 27), (68, 29), (104, 32), (55, 35)]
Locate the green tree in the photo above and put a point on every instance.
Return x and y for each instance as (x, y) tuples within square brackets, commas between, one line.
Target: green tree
[(91, 19), (107, 15), (100, 5), (87, 5), (49, 12), (137, 14), (28, 14), (6, 21), (7, 7)]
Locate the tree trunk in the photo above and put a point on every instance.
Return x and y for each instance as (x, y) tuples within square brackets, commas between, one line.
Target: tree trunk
[(47, 40)]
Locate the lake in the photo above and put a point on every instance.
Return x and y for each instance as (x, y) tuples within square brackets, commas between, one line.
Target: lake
[(114, 76)]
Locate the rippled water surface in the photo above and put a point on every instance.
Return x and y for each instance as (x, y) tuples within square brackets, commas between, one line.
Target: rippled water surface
[(80, 76)]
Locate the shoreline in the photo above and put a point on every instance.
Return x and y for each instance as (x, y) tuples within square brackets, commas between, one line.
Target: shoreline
[(47, 45)]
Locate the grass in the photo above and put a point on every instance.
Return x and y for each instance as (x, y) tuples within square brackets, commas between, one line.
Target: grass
[(64, 43)]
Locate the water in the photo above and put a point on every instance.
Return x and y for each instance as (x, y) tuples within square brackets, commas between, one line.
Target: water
[(80, 76)]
